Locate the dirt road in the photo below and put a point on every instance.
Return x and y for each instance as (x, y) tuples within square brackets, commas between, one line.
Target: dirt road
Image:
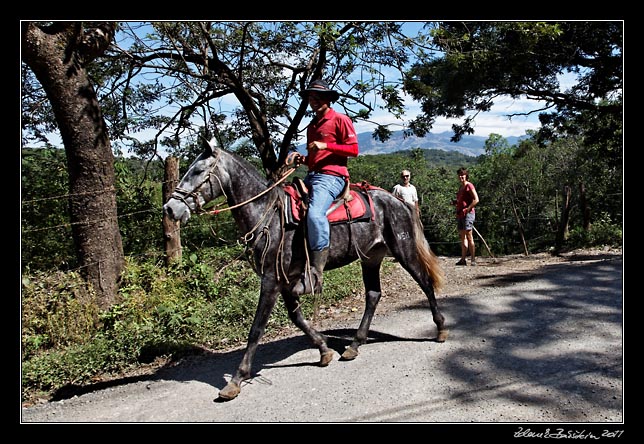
[(540, 344)]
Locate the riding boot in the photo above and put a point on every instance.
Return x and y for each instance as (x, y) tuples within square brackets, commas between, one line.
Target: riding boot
[(302, 285), (318, 262)]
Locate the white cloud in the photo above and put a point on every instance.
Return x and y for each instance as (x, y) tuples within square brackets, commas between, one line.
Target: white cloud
[(493, 121)]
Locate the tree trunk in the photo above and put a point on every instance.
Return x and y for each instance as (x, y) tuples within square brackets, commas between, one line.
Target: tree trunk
[(585, 209), (562, 232), (521, 231), (171, 228), (58, 55)]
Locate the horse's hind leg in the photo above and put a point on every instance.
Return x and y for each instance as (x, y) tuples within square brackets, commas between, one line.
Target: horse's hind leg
[(423, 279), (439, 320), (371, 279), (292, 304)]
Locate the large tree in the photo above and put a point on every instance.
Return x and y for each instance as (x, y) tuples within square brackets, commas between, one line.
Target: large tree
[(102, 92), (179, 73), (59, 54), (482, 61)]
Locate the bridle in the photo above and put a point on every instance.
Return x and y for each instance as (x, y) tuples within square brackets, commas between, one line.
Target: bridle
[(183, 194)]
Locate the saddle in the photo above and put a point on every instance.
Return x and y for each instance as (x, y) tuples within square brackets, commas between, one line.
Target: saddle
[(354, 203)]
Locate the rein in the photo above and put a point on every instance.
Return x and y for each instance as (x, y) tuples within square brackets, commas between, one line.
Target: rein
[(241, 204), (182, 194), (250, 235)]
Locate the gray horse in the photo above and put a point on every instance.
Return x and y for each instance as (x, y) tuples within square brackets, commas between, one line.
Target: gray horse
[(258, 207)]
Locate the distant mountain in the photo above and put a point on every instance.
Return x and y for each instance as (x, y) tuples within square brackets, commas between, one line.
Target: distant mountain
[(469, 145)]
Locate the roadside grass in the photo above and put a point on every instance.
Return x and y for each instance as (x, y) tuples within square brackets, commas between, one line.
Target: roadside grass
[(207, 301)]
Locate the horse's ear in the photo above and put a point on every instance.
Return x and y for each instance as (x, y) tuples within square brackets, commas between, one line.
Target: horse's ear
[(210, 145)]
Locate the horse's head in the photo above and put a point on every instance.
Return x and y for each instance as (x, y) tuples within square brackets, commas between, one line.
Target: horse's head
[(197, 187)]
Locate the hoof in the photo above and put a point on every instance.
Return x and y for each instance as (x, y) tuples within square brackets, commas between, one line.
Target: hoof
[(349, 354), (326, 358), (230, 391), (442, 335)]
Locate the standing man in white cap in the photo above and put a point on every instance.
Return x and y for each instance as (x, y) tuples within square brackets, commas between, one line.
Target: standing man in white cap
[(330, 140)]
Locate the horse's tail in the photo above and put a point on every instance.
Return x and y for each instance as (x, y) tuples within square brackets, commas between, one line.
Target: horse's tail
[(426, 256)]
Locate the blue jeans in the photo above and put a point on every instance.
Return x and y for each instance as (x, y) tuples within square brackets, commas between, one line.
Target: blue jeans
[(323, 190)]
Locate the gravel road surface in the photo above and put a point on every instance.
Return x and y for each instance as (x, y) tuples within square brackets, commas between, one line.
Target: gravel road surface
[(539, 345)]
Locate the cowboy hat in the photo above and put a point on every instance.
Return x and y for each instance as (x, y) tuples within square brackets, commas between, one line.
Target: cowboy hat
[(320, 87)]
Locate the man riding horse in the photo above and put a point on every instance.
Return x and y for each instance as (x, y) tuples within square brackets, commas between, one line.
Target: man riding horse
[(392, 230)]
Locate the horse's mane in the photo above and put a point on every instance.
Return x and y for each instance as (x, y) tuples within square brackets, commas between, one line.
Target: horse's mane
[(248, 166)]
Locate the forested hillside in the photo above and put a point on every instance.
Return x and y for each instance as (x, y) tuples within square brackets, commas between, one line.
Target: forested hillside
[(512, 218)]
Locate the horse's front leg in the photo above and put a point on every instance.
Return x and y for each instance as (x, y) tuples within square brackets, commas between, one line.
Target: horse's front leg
[(371, 279), (292, 304), (267, 299)]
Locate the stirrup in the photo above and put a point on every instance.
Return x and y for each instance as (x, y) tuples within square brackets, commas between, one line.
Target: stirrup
[(302, 285)]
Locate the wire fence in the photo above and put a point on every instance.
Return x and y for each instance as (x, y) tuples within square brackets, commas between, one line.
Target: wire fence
[(202, 222)]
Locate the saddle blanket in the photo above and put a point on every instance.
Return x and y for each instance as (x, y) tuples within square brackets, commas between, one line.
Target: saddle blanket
[(359, 208)]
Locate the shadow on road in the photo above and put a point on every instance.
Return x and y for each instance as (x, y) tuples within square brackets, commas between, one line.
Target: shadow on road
[(549, 334), (561, 334)]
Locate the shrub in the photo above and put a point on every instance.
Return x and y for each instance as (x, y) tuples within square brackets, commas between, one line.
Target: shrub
[(601, 232), (58, 310)]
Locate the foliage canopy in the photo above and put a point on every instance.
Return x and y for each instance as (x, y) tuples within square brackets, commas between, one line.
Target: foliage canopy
[(483, 61)]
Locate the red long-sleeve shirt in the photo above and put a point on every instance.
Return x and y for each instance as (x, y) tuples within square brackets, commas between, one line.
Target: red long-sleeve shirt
[(337, 131)]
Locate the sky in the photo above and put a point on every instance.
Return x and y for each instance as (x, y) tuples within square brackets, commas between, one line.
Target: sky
[(493, 121)]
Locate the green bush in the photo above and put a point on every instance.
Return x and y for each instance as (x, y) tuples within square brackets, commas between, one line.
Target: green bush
[(58, 310), (601, 232)]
